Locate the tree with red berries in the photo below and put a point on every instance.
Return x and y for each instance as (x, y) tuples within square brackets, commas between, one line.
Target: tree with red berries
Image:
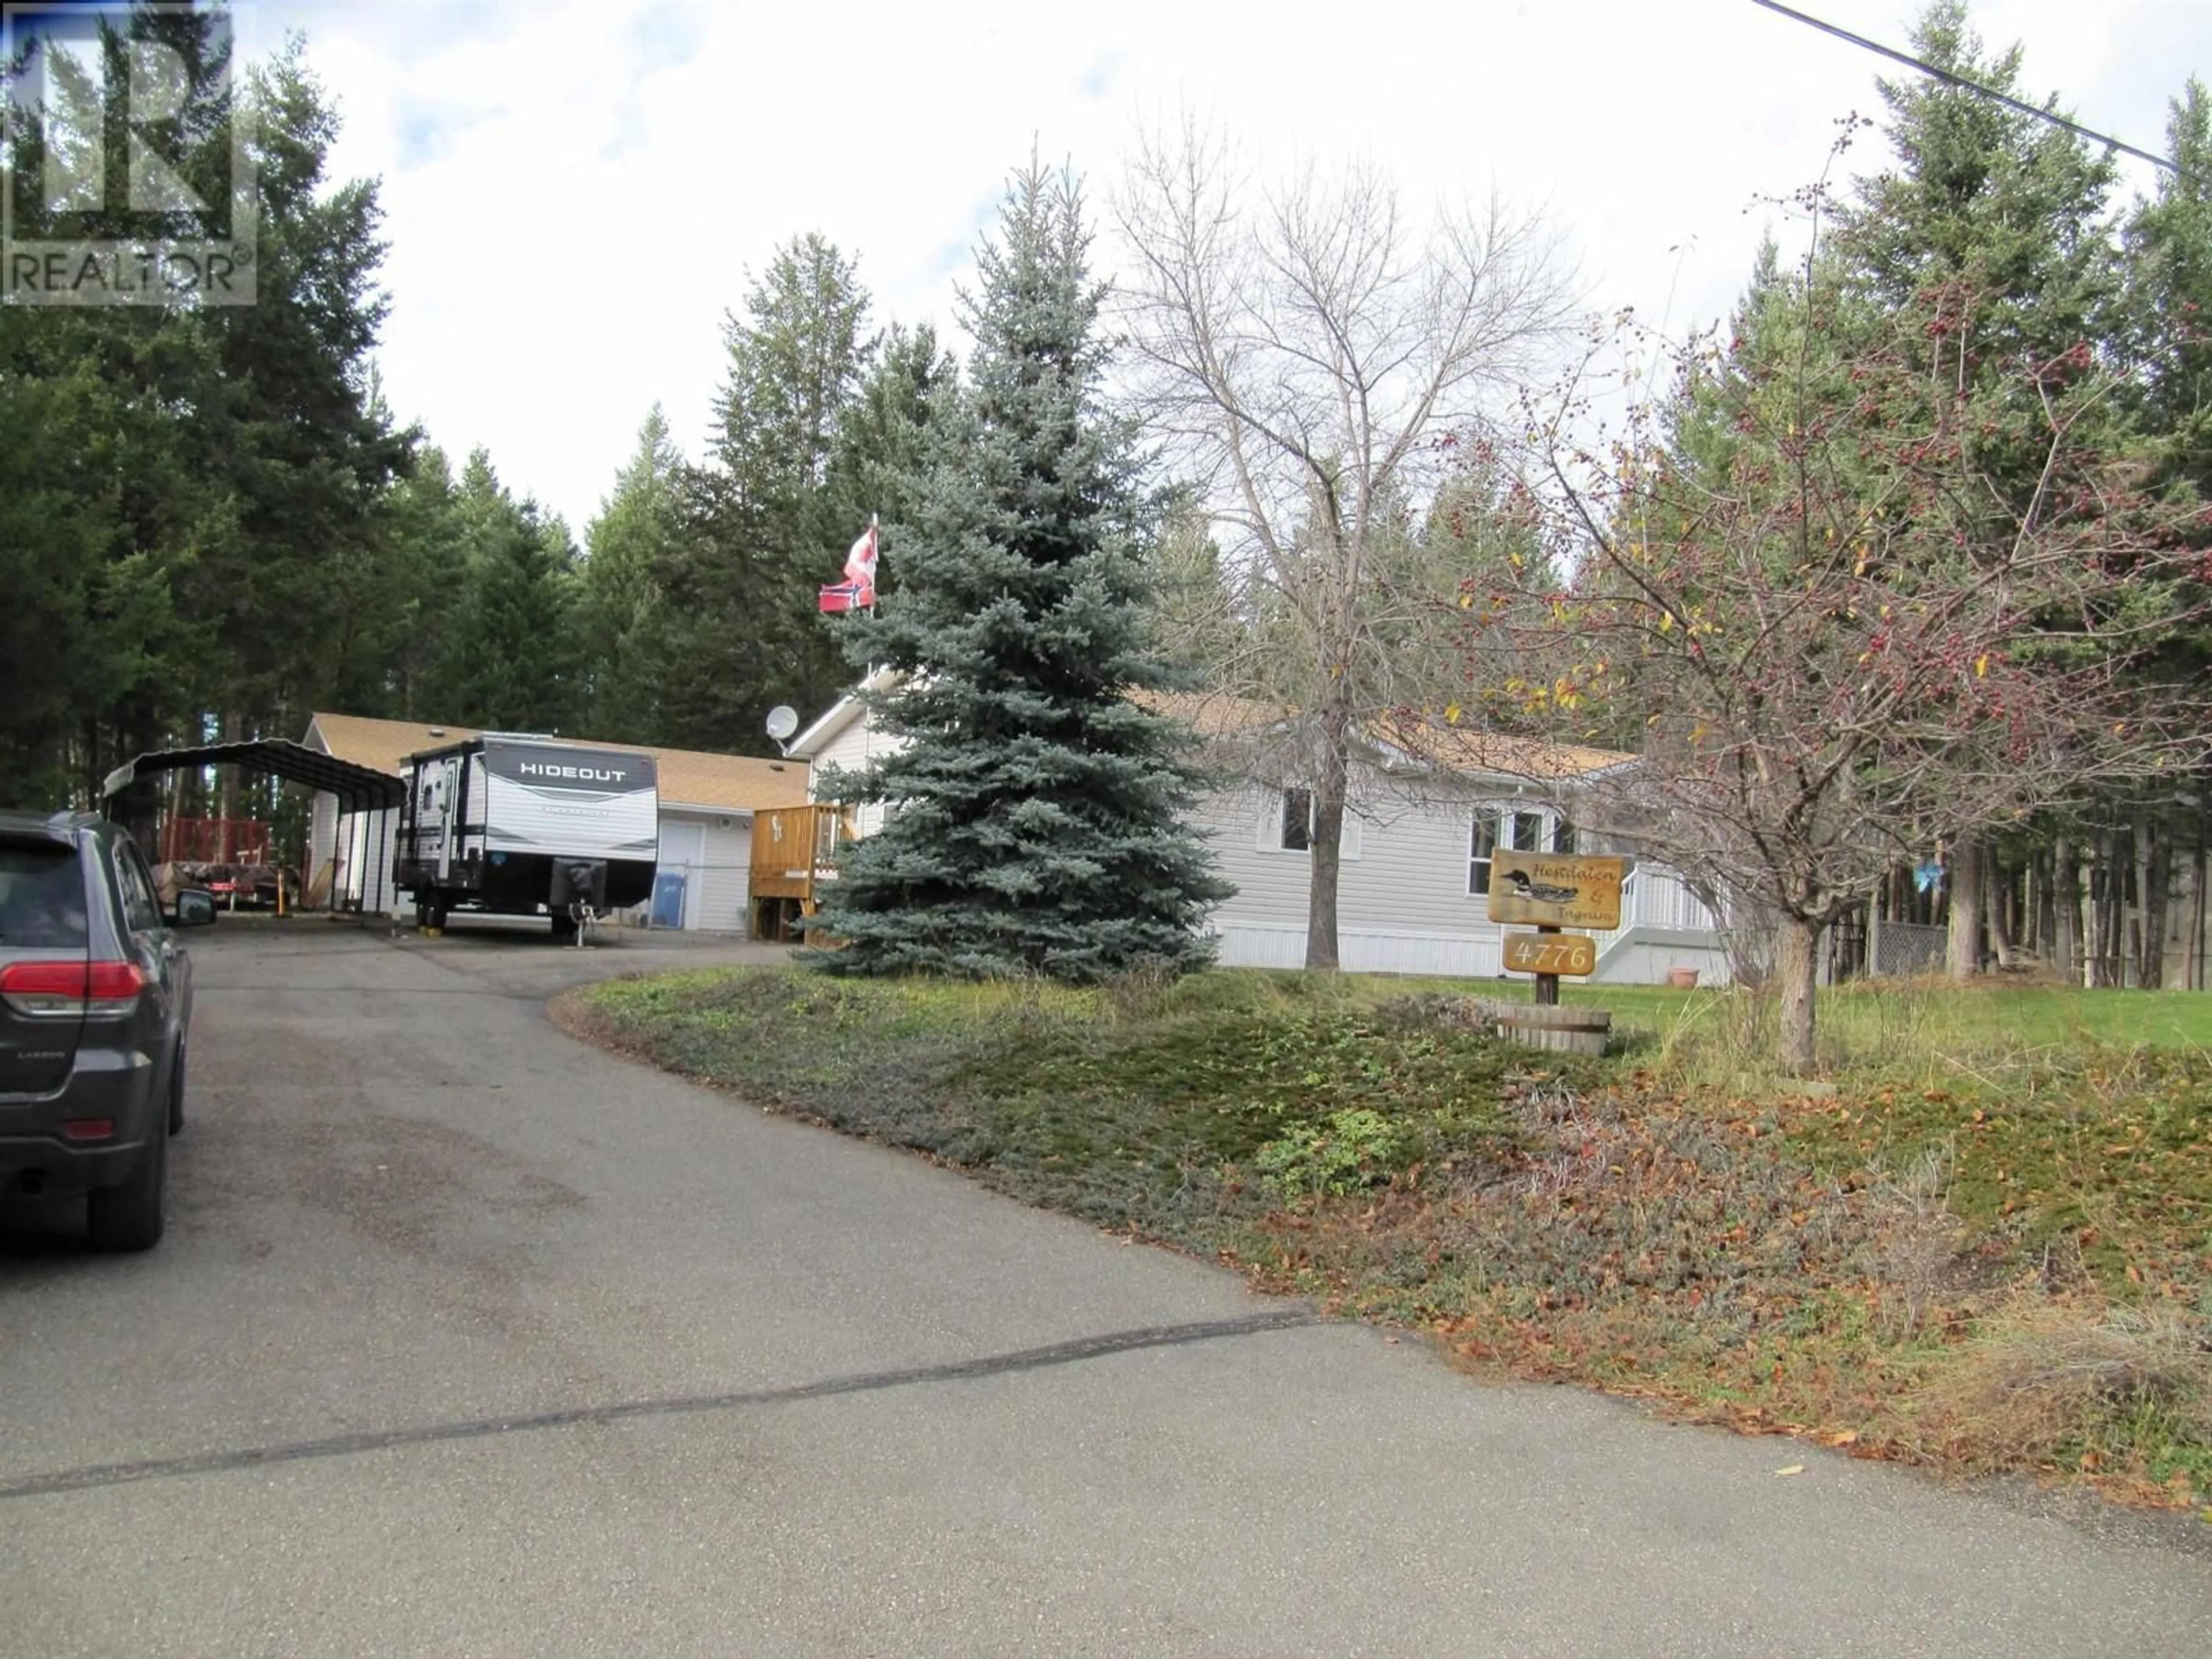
[(1848, 643)]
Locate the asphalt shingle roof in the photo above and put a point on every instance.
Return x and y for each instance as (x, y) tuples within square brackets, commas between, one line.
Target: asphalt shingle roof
[(688, 777)]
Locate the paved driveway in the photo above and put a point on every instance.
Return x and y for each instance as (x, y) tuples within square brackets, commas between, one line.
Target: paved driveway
[(467, 1339)]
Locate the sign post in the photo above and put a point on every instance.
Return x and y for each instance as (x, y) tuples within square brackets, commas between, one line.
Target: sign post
[(1554, 891)]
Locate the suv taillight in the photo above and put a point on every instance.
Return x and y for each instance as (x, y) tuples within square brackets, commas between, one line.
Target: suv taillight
[(46, 990)]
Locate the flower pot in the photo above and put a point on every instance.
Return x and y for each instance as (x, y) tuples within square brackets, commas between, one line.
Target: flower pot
[(1682, 979)]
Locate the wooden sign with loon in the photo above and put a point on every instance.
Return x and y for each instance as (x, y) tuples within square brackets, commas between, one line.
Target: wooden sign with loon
[(1556, 889)]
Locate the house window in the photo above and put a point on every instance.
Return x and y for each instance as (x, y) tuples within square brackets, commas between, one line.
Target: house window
[(1518, 832), (1297, 821), (1481, 842)]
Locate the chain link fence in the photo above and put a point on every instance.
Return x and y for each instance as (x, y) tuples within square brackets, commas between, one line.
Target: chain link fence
[(1900, 949)]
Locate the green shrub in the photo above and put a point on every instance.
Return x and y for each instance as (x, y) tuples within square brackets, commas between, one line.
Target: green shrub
[(1352, 1149)]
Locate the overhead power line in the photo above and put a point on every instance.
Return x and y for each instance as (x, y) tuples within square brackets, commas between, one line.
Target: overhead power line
[(1951, 78)]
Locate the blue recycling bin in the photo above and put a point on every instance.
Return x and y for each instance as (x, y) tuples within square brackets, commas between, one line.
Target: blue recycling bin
[(668, 898)]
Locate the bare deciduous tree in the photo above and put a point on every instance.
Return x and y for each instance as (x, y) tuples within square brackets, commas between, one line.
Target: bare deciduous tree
[(1305, 350), (1850, 649)]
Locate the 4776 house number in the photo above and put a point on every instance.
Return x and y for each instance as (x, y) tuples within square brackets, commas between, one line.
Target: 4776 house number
[(1571, 954)]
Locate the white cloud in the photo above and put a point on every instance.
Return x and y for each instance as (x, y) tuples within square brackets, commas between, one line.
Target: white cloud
[(574, 191)]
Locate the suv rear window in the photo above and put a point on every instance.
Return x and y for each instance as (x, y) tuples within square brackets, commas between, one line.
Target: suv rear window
[(41, 897)]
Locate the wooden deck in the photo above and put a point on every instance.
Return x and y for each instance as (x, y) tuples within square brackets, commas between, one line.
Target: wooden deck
[(794, 855)]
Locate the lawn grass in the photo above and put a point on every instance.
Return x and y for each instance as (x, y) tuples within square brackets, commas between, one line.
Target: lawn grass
[(1871, 1023), (1982, 1241)]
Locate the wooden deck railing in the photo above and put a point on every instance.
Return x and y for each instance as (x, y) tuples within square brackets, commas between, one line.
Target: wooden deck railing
[(794, 853)]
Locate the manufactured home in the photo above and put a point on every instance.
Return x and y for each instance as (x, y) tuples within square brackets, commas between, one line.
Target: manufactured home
[(1427, 811)]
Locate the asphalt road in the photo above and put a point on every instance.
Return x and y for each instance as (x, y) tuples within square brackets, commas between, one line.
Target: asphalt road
[(469, 1340)]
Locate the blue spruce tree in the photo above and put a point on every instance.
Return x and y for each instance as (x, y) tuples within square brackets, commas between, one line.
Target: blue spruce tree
[(1034, 824)]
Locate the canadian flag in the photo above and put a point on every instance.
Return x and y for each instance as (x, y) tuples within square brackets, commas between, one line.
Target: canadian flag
[(860, 563), (859, 588)]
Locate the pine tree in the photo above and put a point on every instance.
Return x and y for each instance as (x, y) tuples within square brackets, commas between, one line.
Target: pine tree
[(623, 612), (510, 649), (1484, 534), (194, 529), (879, 453), (1034, 824), (2169, 263), (767, 520), (1199, 617), (429, 536), (1987, 252), (2169, 257), (290, 422)]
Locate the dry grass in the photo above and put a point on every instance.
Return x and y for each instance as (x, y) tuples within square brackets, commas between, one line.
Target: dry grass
[(2122, 1392)]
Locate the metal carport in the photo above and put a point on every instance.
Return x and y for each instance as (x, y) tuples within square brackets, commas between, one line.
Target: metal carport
[(358, 788)]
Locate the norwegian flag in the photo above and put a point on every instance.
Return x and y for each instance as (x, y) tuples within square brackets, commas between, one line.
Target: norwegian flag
[(858, 590)]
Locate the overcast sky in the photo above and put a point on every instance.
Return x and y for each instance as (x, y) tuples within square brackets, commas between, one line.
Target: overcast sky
[(575, 192)]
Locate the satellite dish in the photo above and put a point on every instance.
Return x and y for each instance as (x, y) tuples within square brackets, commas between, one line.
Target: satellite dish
[(782, 721)]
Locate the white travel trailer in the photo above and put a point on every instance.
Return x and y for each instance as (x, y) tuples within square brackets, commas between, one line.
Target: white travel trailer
[(517, 825)]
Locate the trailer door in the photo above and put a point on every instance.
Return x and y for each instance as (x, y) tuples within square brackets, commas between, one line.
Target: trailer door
[(450, 809), (437, 815)]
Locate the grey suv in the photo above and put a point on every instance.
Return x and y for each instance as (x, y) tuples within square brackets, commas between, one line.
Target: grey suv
[(95, 1002)]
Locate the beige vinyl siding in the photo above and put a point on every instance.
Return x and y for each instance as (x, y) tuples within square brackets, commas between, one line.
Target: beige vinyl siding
[(853, 748), (1403, 905), (1271, 887), (717, 896), (1402, 900)]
